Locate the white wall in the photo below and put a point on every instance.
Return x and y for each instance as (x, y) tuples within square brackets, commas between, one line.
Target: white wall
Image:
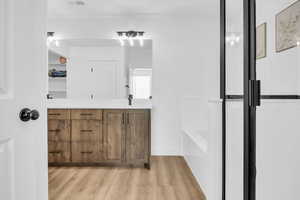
[(185, 63)]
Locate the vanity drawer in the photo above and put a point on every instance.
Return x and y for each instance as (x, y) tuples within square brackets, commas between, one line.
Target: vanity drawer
[(59, 130), (87, 130), (87, 114), (86, 152), (58, 114), (59, 152)]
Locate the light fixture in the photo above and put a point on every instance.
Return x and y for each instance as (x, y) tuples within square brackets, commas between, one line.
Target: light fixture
[(121, 38), (130, 36), (131, 42), (141, 39), (57, 43), (52, 40)]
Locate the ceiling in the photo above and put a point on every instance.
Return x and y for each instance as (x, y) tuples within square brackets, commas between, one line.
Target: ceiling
[(101, 8)]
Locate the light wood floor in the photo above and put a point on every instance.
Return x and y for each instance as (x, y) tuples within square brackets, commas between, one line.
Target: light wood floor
[(169, 179)]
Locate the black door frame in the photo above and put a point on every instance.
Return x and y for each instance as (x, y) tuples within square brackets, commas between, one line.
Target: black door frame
[(223, 89), (250, 93)]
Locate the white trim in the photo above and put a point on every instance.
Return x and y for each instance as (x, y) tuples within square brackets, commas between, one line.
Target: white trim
[(7, 147), (6, 59)]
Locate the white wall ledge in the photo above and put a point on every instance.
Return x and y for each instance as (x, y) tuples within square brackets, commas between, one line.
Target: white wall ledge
[(198, 137)]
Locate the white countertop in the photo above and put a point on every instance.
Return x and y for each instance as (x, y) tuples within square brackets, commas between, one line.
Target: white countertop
[(98, 104)]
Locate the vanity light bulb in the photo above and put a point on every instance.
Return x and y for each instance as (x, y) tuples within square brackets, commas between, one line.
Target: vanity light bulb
[(57, 43), (298, 43), (122, 38), (141, 42), (121, 42), (131, 42), (50, 39), (232, 43)]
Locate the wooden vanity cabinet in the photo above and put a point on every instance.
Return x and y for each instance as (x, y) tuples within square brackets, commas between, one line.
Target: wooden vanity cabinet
[(94, 136)]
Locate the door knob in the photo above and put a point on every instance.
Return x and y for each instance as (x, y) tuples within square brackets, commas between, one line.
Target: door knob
[(26, 114)]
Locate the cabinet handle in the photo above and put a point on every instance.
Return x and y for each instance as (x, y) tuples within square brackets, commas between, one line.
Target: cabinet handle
[(54, 141), (86, 114), (123, 118), (54, 131), (87, 152), (128, 118), (55, 152), (54, 114), (86, 131)]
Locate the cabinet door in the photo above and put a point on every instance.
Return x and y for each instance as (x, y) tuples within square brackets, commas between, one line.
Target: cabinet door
[(87, 141), (137, 136), (114, 135)]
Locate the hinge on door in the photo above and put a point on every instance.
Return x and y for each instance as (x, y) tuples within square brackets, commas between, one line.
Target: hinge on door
[(254, 93)]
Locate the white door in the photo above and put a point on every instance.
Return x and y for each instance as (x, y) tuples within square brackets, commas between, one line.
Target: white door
[(23, 76), (104, 79)]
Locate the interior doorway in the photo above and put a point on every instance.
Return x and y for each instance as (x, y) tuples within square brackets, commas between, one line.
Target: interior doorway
[(109, 65)]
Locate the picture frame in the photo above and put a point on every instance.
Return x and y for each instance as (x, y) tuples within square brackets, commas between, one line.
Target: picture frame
[(261, 41), (288, 27)]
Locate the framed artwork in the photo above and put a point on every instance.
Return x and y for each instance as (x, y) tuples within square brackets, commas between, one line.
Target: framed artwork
[(261, 41), (288, 27)]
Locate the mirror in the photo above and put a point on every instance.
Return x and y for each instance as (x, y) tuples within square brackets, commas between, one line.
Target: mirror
[(97, 69), (139, 68)]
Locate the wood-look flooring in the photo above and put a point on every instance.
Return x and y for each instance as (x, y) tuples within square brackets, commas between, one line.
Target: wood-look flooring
[(169, 179)]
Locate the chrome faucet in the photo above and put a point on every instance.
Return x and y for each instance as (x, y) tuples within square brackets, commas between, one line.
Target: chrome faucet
[(130, 97)]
